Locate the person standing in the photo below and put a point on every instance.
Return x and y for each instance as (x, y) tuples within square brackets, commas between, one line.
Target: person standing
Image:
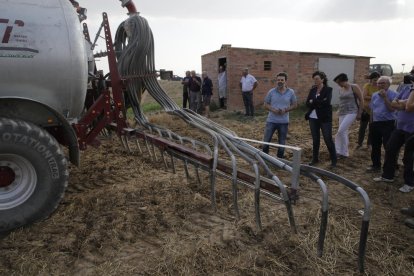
[(206, 92), (248, 84), (367, 91), (186, 89), (406, 84), (279, 101), (320, 116), (222, 87), (409, 148), (194, 85), (401, 134), (350, 108), (383, 120)]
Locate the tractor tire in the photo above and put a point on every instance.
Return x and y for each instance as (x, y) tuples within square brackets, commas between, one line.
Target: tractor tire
[(33, 174)]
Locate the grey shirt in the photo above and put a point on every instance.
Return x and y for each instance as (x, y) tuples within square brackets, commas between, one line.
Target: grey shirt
[(347, 102)]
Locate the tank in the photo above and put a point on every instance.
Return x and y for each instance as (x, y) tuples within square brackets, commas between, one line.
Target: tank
[(43, 55)]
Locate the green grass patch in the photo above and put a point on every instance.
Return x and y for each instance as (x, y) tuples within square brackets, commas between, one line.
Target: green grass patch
[(151, 107), (259, 113)]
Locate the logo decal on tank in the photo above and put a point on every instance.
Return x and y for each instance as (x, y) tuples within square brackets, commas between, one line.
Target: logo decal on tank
[(14, 45)]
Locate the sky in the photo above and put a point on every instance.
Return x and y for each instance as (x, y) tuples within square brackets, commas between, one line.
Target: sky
[(185, 30)]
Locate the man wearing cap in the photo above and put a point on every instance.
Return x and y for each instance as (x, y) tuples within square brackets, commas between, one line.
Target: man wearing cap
[(367, 91)]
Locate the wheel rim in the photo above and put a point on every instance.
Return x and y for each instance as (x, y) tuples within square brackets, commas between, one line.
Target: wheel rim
[(18, 180)]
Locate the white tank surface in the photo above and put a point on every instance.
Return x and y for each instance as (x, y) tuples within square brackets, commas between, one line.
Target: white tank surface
[(43, 54)]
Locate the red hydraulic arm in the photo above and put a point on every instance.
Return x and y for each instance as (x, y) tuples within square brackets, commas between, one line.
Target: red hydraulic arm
[(108, 109)]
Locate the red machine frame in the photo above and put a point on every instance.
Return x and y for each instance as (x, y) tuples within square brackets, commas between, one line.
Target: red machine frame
[(109, 108)]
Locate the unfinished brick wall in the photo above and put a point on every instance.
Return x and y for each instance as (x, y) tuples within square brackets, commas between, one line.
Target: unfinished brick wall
[(299, 67)]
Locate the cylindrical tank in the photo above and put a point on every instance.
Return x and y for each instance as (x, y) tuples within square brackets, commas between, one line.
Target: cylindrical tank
[(43, 55)]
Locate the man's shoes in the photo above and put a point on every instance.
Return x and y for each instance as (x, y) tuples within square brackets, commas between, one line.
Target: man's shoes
[(406, 188), (383, 179), (408, 211), (313, 162), (373, 169), (332, 166), (409, 222)]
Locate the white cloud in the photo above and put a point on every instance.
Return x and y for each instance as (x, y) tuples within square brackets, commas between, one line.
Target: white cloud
[(185, 30)]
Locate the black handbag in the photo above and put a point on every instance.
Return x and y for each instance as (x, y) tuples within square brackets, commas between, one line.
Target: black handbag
[(307, 114)]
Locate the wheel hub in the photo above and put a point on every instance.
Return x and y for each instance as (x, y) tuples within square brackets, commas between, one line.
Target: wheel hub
[(7, 176), (18, 180)]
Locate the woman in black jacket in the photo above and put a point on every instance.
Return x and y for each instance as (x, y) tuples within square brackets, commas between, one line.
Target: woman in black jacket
[(320, 116)]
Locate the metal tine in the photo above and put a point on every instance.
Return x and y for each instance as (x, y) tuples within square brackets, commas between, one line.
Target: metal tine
[(187, 174), (213, 189), (195, 166), (169, 134), (163, 159), (257, 196), (152, 144), (153, 151), (127, 144), (287, 201), (198, 175), (173, 164), (324, 211), (148, 149), (122, 142), (213, 173), (223, 142), (324, 218), (138, 146), (282, 188), (234, 187)]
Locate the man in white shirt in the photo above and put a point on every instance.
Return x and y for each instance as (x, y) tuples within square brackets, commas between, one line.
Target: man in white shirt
[(248, 84)]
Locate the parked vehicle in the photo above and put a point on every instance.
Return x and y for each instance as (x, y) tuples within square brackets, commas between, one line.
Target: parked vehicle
[(383, 69)]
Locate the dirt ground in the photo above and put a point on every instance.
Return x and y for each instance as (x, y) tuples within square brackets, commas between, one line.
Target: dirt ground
[(125, 214)]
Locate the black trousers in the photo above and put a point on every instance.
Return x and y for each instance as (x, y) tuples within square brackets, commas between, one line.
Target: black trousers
[(185, 98), (363, 124), (248, 102), (396, 141), (380, 134), (222, 102), (316, 126)]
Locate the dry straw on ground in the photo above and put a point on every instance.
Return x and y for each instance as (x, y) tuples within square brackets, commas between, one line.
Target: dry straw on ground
[(126, 215)]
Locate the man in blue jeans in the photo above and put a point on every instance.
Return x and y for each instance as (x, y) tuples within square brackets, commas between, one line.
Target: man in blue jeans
[(279, 101)]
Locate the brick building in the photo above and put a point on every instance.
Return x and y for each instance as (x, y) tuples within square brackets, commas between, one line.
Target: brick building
[(265, 64)]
